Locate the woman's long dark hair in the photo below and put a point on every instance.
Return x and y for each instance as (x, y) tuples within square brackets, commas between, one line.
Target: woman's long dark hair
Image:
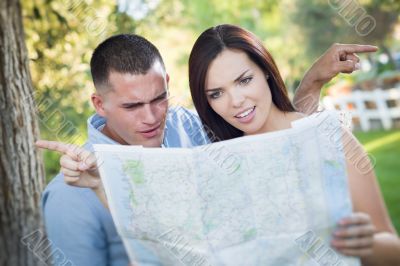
[(206, 48)]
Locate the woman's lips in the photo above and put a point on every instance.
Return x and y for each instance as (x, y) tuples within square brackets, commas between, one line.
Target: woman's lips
[(248, 117)]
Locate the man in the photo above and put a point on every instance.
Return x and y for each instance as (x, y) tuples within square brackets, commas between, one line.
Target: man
[(131, 102)]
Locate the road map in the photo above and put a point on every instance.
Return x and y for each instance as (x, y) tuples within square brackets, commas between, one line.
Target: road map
[(268, 199)]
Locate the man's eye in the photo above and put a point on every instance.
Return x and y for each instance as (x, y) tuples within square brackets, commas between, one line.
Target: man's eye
[(132, 107), (215, 95), (245, 81)]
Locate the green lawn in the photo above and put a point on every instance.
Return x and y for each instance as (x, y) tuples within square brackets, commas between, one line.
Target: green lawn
[(384, 146)]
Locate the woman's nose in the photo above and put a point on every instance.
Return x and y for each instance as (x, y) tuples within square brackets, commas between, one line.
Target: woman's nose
[(237, 98)]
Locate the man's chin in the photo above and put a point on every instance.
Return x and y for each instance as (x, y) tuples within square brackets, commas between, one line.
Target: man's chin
[(154, 142)]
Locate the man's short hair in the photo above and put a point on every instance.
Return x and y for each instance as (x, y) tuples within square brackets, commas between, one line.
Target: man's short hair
[(124, 53)]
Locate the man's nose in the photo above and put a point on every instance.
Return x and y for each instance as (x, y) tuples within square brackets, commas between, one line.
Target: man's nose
[(149, 114)]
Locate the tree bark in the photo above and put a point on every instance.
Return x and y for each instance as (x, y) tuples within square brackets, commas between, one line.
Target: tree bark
[(21, 173)]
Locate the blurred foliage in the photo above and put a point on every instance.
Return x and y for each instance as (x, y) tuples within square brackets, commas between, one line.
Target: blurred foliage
[(321, 23), (61, 36), (59, 49)]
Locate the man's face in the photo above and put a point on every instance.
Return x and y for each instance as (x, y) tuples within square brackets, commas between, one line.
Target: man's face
[(135, 107)]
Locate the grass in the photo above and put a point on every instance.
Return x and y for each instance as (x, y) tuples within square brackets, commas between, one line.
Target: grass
[(384, 148)]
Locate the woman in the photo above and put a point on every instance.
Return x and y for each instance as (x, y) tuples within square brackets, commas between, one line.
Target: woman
[(237, 90)]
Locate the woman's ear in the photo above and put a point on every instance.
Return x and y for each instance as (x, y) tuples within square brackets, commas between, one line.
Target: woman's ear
[(98, 104)]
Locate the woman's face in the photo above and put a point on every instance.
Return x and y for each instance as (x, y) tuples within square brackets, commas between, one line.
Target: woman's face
[(238, 91)]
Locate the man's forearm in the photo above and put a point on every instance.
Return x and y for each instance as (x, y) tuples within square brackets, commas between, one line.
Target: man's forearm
[(306, 98)]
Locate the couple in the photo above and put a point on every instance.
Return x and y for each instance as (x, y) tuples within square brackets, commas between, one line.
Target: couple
[(237, 90)]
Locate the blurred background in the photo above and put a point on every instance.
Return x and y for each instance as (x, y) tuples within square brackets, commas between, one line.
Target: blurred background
[(61, 35)]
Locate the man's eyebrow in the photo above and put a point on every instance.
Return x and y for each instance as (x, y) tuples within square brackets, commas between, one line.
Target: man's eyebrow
[(133, 104), (160, 96), (236, 80)]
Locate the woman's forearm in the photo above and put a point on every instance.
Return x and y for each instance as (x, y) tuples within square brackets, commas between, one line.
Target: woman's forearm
[(306, 98), (386, 250)]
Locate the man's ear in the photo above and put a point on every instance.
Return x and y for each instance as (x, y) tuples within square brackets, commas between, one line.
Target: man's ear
[(98, 104), (167, 77)]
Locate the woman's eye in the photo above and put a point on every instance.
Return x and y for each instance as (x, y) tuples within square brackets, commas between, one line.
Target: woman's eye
[(215, 95), (246, 80)]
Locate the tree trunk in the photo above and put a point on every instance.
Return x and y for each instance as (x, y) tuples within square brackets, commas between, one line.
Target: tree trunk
[(21, 173)]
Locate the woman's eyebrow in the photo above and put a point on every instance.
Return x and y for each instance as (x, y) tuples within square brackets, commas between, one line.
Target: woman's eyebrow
[(236, 80), (241, 75), (216, 89)]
